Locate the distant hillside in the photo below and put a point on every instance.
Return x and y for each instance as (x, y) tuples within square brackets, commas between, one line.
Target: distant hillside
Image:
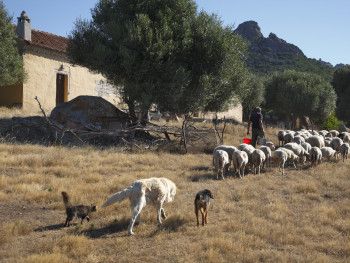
[(270, 54)]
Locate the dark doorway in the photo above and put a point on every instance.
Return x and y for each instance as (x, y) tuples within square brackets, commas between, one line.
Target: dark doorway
[(61, 88)]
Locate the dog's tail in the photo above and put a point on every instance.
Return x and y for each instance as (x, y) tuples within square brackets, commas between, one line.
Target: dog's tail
[(120, 196), (66, 199)]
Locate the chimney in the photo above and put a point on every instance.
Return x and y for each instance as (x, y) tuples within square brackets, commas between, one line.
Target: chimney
[(24, 29)]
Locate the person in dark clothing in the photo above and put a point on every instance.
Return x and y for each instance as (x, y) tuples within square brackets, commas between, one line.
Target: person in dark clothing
[(257, 126)]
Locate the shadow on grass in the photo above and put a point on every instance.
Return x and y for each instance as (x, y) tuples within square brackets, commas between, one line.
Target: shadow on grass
[(49, 228), (212, 176), (116, 226), (171, 224)]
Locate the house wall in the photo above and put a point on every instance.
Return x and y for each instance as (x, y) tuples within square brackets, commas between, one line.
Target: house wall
[(42, 66), (11, 95)]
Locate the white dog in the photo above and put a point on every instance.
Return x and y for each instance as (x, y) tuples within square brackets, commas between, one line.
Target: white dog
[(152, 190)]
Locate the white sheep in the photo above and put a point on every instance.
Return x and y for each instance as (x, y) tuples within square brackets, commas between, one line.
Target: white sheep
[(345, 136), (344, 151), (248, 149), (279, 158), (315, 141), (327, 141), (313, 132), (334, 133), (335, 143), (221, 162), (299, 139), (280, 136), (239, 161), (306, 146), (328, 152), (291, 156), (323, 133), (268, 153), (229, 149), (270, 145), (297, 149), (315, 155), (258, 158)]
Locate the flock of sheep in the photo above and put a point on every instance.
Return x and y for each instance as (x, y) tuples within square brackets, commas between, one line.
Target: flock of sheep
[(294, 147)]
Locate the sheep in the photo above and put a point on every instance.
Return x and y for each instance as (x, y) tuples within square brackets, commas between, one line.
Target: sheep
[(280, 136), (316, 141), (327, 141), (306, 146), (315, 155), (334, 133), (221, 162), (345, 136), (270, 145), (328, 135), (248, 149), (288, 137), (313, 132), (323, 133), (298, 139), (291, 156), (267, 152), (328, 152), (239, 161), (296, 148), (279, 158), (335, 143), (229, 149), (258, 158), (344, 150)]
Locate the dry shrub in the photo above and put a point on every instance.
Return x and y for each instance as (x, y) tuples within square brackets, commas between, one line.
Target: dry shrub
[(13, 229)]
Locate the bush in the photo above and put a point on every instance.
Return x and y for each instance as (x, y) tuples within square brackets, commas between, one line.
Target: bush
[(332, 123)]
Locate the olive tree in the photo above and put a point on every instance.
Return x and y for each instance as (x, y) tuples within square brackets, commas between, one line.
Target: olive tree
[(341, 84), (296, 94), (161, 52)]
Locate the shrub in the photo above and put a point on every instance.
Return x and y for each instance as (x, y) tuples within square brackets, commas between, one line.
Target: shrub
[(331, 123)]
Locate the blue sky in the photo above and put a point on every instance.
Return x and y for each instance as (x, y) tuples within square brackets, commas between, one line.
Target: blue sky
[(320, 28)]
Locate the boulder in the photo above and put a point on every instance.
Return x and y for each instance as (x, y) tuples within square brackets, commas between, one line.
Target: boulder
[(90, 110), (343, 128)]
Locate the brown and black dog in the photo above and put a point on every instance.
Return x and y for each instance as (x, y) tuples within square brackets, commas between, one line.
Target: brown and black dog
[(201, 203)]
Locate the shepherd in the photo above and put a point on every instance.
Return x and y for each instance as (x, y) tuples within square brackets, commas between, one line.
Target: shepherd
[(257, 125)]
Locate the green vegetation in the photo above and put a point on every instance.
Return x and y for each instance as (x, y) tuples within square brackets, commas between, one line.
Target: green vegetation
[(297, 94), (287, 61), (341, 84), (162, 52), (331, 123), (11, 64)]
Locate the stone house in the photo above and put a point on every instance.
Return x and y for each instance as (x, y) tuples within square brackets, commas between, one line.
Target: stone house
[(49, 75)]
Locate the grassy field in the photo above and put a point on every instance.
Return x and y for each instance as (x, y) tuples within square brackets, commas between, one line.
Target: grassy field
[(303, 216)]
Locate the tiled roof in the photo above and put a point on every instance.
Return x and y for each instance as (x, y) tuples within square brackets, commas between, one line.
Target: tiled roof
[(50, 41)]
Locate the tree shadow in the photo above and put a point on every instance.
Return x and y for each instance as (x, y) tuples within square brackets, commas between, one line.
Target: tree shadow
[(49, 228)]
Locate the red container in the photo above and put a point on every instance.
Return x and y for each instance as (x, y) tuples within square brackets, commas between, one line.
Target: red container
[(247, 141)]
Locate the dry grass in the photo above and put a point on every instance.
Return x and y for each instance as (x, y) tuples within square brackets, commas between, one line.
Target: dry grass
[(301, 217)]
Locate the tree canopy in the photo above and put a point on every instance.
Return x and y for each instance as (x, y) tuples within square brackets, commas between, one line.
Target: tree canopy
[(297, 94), (341, 84), (11, 63), (255, 95), (161, 52)]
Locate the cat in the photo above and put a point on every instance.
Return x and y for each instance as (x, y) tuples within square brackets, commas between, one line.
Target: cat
[(74, 211)]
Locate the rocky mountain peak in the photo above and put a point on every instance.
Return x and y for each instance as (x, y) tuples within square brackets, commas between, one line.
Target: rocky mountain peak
[(249, 30)]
